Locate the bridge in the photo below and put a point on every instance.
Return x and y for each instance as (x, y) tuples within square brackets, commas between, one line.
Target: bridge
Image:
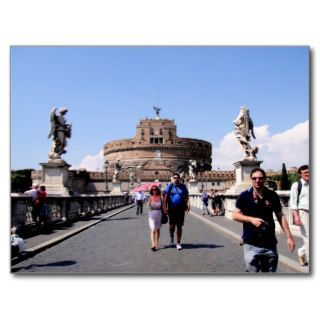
[(117, 241)]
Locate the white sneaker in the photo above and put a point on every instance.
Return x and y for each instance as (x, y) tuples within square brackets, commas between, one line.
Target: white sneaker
[(302, 260), (178, 246), (301, 257)]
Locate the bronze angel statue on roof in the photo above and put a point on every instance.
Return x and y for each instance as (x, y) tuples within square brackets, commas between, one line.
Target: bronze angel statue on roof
[(59, 132), (157, 110)]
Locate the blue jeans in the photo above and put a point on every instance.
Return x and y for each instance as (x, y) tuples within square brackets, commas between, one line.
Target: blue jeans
[(260, 259)]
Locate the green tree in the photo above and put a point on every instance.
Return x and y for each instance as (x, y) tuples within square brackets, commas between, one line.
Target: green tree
[(284, 181), (21, 180), (293, 177)]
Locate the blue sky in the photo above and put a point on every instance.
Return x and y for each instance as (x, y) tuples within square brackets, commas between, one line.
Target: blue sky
[(108, 89)]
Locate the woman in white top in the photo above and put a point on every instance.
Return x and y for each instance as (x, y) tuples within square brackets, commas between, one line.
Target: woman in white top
[(154, 216)]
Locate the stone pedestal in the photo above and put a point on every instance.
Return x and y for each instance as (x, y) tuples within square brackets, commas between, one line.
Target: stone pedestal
[(243, 182), (193, 187), (55, 177), (243, 169), (116, 188)]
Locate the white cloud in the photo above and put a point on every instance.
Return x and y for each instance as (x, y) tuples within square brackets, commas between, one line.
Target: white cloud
[(91, 163), (290, 147)]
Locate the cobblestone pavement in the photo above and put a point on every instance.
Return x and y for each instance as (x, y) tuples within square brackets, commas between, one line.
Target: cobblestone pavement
[(121, 245)]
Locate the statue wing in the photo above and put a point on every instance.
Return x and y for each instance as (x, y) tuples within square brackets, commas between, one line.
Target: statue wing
[(52, 123), (251, 127)]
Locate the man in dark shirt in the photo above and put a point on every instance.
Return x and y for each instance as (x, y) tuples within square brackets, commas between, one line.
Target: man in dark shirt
[(254, 208)]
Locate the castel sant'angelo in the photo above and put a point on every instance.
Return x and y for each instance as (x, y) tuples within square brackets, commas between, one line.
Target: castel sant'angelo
[(156, 152)]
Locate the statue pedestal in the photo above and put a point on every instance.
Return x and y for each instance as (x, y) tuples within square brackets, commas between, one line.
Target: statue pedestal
[(116, 188), (55, 177), (243, 169), (243, 182), (193, 187)]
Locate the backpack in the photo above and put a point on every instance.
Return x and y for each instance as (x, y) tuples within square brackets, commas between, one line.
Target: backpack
[(299, 191), (299, 187)]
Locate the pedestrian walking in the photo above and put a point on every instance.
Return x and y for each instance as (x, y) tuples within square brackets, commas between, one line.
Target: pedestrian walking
[(139, 199), (155, 204), (254, 208), (176, 203), (299, 204), (204, 203)]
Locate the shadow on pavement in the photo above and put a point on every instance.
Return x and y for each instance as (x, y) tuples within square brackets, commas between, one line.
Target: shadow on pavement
[(47, 230), (186, 246), (52, 264), (114, 219)]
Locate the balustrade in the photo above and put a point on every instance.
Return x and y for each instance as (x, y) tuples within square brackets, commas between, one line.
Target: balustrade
[(229, 201), (63, 208)]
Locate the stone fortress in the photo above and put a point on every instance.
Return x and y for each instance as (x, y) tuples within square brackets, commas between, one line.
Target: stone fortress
[(155, 152)]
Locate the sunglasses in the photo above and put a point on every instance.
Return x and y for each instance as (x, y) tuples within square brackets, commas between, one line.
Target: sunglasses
[(176, 177), (259, 178), (153, 189)]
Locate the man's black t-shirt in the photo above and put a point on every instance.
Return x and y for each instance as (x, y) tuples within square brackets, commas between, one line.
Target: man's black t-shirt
[(263, 208)]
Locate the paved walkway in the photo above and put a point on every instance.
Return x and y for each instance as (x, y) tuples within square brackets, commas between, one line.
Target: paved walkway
[(37, 242), (234, 229)]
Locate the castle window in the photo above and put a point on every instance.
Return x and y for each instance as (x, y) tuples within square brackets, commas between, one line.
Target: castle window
[(156, 140)]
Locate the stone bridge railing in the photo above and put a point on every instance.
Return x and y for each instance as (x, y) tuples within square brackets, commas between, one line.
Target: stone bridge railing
[(229, 201), (64, 208)]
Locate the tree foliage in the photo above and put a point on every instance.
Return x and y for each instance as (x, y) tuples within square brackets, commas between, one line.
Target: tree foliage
[(284, 181), (291, 176), (21, 180)]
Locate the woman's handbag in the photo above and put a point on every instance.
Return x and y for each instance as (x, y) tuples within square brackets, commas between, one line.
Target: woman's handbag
[(164, 218)]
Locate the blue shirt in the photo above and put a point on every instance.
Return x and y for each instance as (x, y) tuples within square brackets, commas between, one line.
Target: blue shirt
[(177, 194), (263, 208)]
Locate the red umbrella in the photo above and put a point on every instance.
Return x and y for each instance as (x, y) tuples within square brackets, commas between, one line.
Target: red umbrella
[(145, 186)]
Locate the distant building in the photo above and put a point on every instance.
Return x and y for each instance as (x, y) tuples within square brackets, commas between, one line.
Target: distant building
[(156, 152)]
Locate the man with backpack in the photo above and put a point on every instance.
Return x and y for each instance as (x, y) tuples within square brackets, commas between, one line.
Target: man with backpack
[(176, 203), (299, 203)]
